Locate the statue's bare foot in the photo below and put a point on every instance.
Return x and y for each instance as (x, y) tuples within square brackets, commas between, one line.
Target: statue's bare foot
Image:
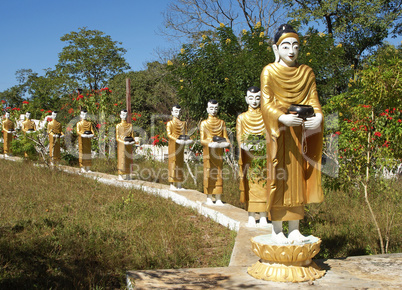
[(121, 177), (297, 237), (172, 187), (209, 201), (251, 222), (279, 238), (263, 222), (219, 202), (83, 170)]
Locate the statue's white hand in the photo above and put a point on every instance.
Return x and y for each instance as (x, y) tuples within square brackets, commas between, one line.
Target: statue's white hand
[(290, 120), (313, 123)]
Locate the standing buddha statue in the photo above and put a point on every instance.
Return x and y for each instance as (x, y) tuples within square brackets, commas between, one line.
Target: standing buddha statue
[(54, 130), (125, 141), (252, 192), (28, 126), (214, 138), (294, 176), (8, 130), (85, 132), (177, 135)]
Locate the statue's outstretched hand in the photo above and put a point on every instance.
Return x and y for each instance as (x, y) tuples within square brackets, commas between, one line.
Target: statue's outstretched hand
[(313, 123), (290, 120)]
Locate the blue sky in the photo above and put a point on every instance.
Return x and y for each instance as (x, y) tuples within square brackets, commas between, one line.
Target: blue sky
[(31, 31)]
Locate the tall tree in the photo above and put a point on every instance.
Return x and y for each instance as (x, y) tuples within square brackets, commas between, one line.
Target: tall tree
[(91, 58), (358, 24), (190, 17)]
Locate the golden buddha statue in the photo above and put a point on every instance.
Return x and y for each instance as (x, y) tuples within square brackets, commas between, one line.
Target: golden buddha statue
[(125, 141), (85, 132), (8, 130), (294, 176), (54, 130), (177, 135), (28, 125), (252, 192), (214, 138)]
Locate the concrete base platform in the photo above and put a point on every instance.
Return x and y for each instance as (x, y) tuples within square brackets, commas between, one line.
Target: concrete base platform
[(363, 272)]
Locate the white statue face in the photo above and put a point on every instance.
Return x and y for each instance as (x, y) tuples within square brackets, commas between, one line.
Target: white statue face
[(288, 51), (253, 99), (54, 116), (28, 115), (176, 112), (7, 115), (123, 115), (213, 109), (83, 115)]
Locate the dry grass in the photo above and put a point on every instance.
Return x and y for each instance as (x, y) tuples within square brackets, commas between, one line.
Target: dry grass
[(65, 231)]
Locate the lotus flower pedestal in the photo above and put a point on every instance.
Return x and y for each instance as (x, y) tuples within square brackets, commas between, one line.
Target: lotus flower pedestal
[(285, 263)]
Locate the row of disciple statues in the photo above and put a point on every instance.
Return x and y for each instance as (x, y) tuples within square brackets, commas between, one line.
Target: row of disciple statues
[(287, 115), (293, 143)]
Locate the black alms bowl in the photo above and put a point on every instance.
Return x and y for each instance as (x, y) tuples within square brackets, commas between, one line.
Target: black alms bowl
[(218, 139), (304, 111), (184, 137), (128, 139), (87, 132)]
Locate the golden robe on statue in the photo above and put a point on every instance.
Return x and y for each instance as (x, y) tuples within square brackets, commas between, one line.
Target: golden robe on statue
[(28, 125), (213, 157), (293, 178), (84, 144), (54, 128), (174, 129), (252, 193), (124, 152), (7, 137)]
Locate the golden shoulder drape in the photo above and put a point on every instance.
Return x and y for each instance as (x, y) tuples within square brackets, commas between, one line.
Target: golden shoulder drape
[(7, 137), (174, 129), (294, 179), (213, 157), (28, 125), (54, 128), (84, 144), (252, 193), (124, 152)]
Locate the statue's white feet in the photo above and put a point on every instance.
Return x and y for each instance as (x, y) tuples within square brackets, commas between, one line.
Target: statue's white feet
[(172, 187), (251, 221), (219, 202), (121, 177), (83, 170), (296, 236), (279, 238)]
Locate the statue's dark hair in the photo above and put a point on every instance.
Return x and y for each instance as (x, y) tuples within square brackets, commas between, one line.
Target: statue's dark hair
[(284, 28), (28, 112), (253, 89), (124, 110), (176, 106), (84, 110), (213, 101), (55, 112)]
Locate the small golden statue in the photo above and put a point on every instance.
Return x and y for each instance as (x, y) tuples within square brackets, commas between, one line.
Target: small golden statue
[(252, 192), (85, 132), (55, 132), (214, 138), (28, 126), (8, 131), (125, 141)]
